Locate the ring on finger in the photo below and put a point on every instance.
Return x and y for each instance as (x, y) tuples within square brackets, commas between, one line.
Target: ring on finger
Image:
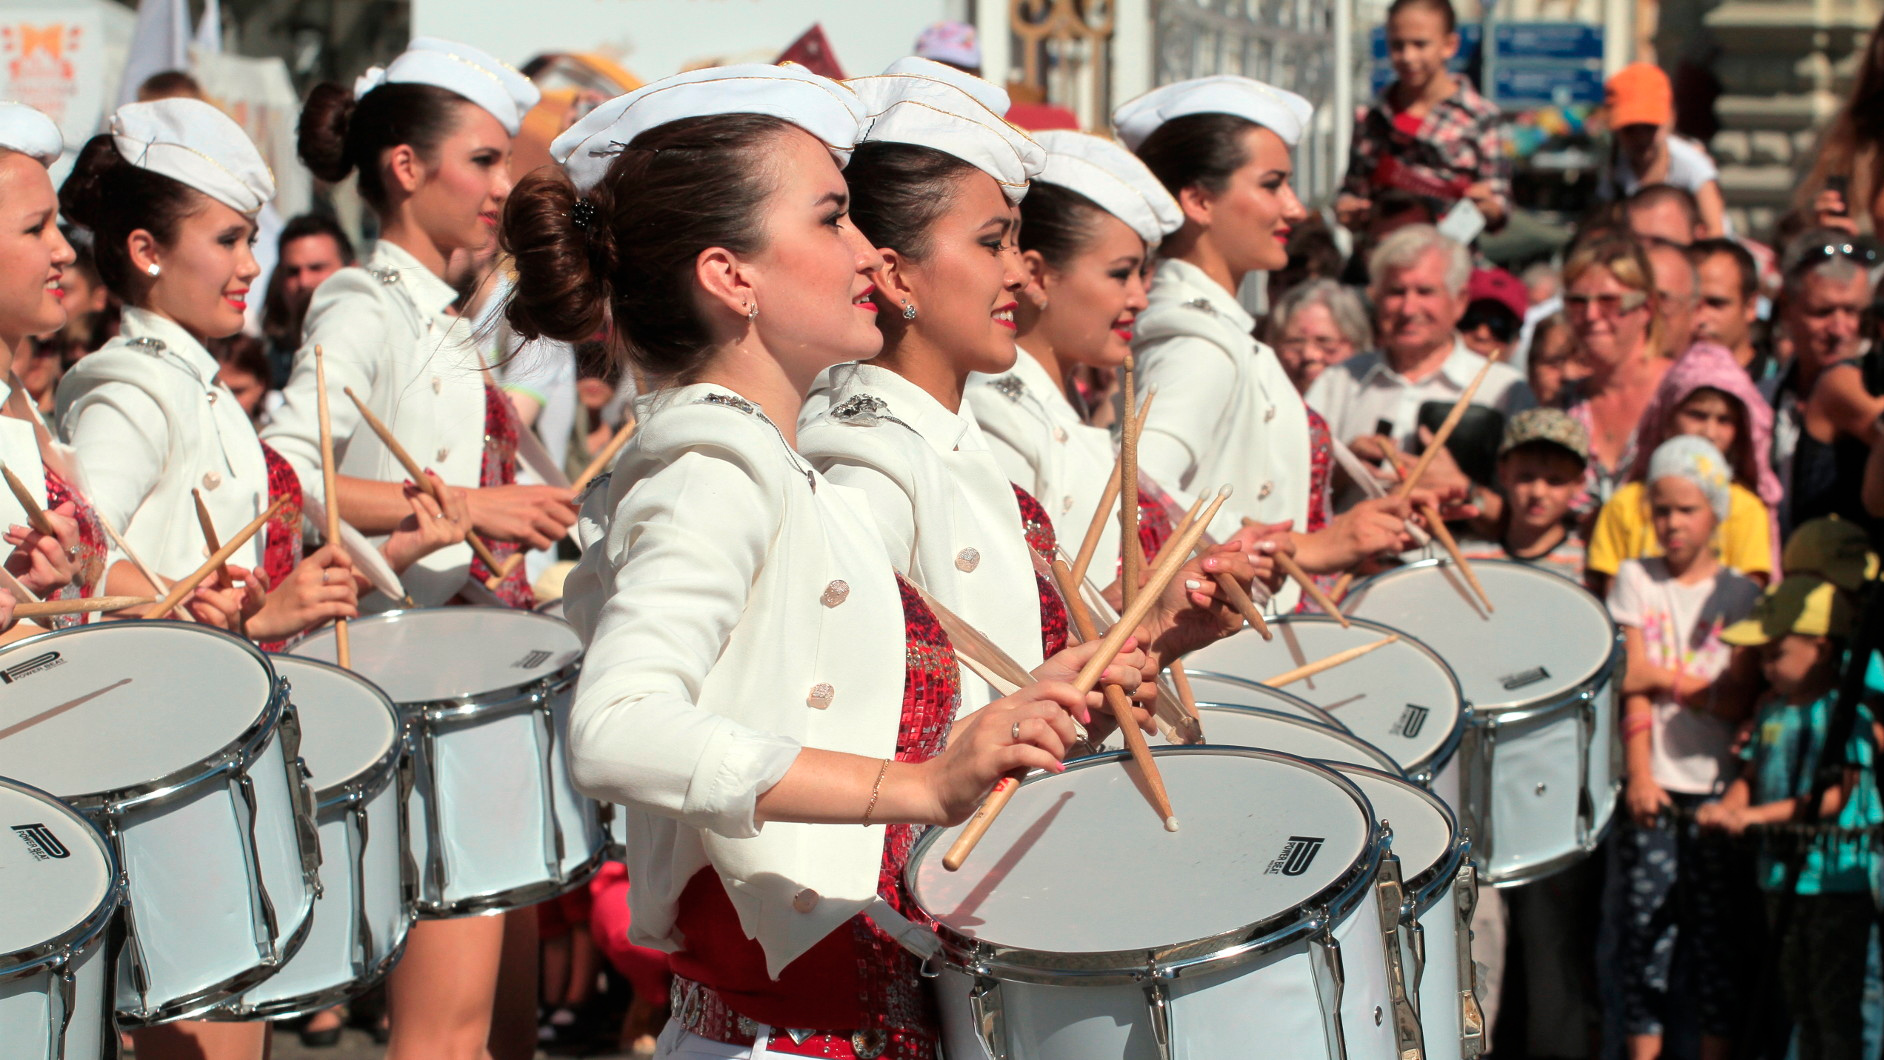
[(1015, 732), (325, 571), (71, 554)]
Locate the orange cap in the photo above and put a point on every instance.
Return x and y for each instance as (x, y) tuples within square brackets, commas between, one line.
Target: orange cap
[(1640, 94)]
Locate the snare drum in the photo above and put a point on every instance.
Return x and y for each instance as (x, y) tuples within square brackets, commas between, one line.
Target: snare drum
[(61, 888), (1228, 726), (614, 819), (1540, 760), (180, 744), (1236, 691), (353, 745), (1401, 698), (1264, 927), (1436, 919), (494, 821)]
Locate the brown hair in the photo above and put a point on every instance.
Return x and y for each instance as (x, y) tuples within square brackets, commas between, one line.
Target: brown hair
[(1442, 8), (898, 191), (676, 191), (1196, 150), (338, 135), (1626, 259), (114, 198), (1851, 144)]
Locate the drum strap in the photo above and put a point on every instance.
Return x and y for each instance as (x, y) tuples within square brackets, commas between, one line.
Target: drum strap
[(908, 934)]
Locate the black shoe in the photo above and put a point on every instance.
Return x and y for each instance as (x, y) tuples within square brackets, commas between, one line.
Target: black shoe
[(326, 1039)]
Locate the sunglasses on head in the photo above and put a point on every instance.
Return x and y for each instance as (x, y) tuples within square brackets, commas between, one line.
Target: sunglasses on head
[(1503, 326), (1862, 253)]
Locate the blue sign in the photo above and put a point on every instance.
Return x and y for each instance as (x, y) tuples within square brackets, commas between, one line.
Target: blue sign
[(1520, 86), (1556, 41)]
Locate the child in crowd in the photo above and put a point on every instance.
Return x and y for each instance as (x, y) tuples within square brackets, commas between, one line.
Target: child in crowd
[(1684, 691), (1552, 363), (1540, 472), (1706, 394), (1818, 901)]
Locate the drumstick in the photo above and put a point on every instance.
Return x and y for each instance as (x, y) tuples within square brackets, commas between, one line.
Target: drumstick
[(1232, 589), (35, 515), (1452, 549), (1117, 701), (1440, 436), (330, 488), (1168, 565), (1311, 669), (81, 606), (189, 584), (209, 538), (977, 827), (426, 483), (1182, 682), (1363, 477), (157, 583), (1131, 558), (1322, 600), (604, 459), (974, 649), (1090, 544), (21, 594)]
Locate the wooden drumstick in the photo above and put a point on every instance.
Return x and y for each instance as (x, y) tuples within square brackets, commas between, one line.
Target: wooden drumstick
[(1082, 560), (209, 538), (1444, 433), (188, 585), (1117, 701), (600, 464), (82, 606), (1171, 561), (157, 583), (35, 515), (1181, 682), (1444, 536), (1232, 589), (330, 489), (1322, 600), (1131, 557), (21, 594), (977, 826), (426, 483), (1307, 670)]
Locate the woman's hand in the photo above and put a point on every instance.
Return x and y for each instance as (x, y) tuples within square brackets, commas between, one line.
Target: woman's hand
[(1194, 611), (6, 610), (319, 589), (429, 527), (1373, 526), (536, 516), (1833, 212), (1647, 801), (1260, 542), (1030, 729), (1127, 670), (45, 564)]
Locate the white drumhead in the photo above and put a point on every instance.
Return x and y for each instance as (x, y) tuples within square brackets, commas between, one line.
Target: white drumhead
[(1227, 726), (451, 652), (1049, 873), (1547, 636), (54, 869), (1213, 688), (552, 608), (346, 723), (110, 706), (1400, 698), (1423, 832)]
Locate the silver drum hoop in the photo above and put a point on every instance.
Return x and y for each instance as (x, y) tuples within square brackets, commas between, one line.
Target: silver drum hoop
[(1320, 715), (1380, 759), (64, 947)]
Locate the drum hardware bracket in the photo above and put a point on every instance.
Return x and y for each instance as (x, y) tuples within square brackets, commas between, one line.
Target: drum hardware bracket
[(1330, 983), (356, 872), (262, 909), (1392, 910), (540, 700), (1158, 1005), (989, 1014), (1472, 1018), (301, 791)]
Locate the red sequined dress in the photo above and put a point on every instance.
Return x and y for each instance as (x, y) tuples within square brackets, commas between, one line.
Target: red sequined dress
[(281, 540), (92, 546), (1039, 529), (501, 428)]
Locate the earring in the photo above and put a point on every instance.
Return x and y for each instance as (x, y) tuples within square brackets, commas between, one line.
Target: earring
[(752, 311), (153, 269), (909, 311)]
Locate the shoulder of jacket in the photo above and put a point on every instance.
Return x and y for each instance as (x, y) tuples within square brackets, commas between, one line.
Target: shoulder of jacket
[(356, 288)]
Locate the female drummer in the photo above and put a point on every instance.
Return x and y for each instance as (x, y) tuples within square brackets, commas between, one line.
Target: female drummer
[(1226, 411), (756, 672), (430, 137)]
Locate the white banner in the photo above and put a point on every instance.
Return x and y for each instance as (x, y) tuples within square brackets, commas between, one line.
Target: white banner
[(260, 96), (54, 58)]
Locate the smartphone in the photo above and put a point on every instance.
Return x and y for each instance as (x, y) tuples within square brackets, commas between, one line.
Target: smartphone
[(1841, 183)]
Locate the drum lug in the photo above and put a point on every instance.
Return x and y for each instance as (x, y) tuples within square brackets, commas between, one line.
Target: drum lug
[(356, 872), (1476, 781), (1158, 1004), (301, 790), (1330, 984), (1586, 733), (1472, 1018), (262, 908), (65, 992), (1391, 892), (554, 848), (437, 874), (130, 950), (408, 866), (989, 1015)]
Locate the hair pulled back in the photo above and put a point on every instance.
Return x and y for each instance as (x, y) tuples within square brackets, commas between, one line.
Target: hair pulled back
[(1057, 222), (338, 135), (898, 191), (679, 189), (114, 198), (1196, 150)]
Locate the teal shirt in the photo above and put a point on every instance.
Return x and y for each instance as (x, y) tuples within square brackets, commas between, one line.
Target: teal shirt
[(1787, 740)]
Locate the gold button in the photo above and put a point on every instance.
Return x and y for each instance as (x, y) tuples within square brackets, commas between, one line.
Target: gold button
[(967, 560), (212, 479), (1268, 488), (835, 593), (1269, 414), (821, 695), (443, 453), (806, 900), (1066, 504), (438, 385), (1059, 434), (212, 397)]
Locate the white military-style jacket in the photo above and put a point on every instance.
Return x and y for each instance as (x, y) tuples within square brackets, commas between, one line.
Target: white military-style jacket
[(740, 607), (385, 331), (148, 422), (19, 451), (943, 505)]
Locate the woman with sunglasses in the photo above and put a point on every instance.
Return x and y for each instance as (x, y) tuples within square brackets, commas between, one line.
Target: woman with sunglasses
[(1610, 300)]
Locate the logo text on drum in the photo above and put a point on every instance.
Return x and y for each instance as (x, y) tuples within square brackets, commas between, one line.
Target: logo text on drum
[(39, 839), (1297, 855)]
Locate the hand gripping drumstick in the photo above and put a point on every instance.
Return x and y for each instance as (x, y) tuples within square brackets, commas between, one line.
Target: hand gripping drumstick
[(1090, 543), (189, 584), (157, 583), (209, 538), (425, 483), (1307, 670), (330, 490), (82, 606), (1116, 700), (603, 460), (35, 515)]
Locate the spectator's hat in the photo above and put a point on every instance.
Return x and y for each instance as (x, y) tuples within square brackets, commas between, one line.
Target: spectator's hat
[(1639, 94), (1552, 426), (1802, 604), (925, 112), (30, 132), (476, 75), (953, 43), (1278, 110), (815, 103), (1832, 549), (1113, 178), (1501, 287), (193, 143)]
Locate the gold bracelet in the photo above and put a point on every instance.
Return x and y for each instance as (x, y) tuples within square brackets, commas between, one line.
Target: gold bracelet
[(876, 792)]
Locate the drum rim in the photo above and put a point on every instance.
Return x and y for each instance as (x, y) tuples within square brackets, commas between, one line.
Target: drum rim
[(234, 756), (1430, 885), (1315, 712), (472, 706), (1383, 761), (372, 778), (490, 903), (1529, 706), (81, 937), (1320, 914)]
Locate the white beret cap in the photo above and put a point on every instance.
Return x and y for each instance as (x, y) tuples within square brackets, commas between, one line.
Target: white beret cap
[(476, 75), (192, 142), (818, 105), (30, 132), (991, 95), (1278, 110), (931, 113), (1114, 178)]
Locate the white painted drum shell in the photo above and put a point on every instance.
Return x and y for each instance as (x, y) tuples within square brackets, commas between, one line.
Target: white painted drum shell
[(28, 1020), (1211, 687), (1266, 730), (1438, 986)]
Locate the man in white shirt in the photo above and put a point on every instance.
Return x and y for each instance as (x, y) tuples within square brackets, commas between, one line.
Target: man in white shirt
[(1418, 281)]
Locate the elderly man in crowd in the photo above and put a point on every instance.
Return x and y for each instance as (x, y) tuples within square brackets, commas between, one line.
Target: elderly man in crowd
[(1418, 282)]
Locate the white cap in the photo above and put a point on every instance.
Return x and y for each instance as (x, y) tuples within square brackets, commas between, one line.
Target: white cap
[(1114, 178), (192, 142), (929, 113), (818, 105), (1278, 110), (30, 132), (991, 95), (476, 75)]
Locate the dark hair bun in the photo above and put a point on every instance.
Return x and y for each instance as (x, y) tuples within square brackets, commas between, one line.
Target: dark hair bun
[(562, 268), (82, 197), (321, 139)]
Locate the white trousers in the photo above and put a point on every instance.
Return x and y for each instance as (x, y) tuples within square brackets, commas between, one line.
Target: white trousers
[(677, 1044)]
